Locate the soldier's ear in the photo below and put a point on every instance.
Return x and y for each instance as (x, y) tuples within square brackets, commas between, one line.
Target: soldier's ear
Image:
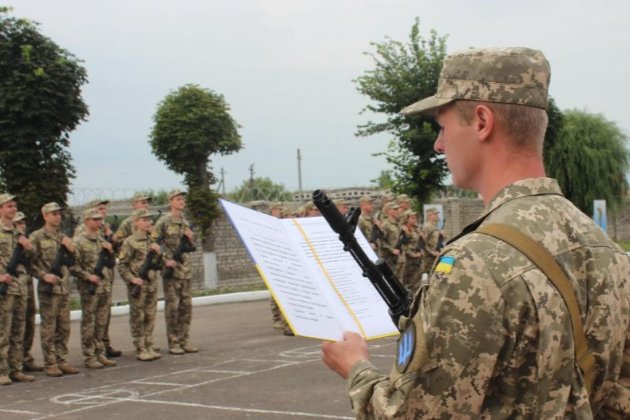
[(483, 122)]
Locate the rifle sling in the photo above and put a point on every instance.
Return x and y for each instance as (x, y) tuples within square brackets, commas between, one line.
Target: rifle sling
[(543, 259)]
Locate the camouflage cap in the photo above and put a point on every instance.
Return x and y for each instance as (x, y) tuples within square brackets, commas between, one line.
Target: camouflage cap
[(309, 205), (19, 216), (408, 213), (402, 197), (175, 192), (96, 203), (275, 205), (387, 197), (92, 213), (5, 198), (50, 207), (504, 75), (141, 196), (366, 199), (142, 213), (390, 205)]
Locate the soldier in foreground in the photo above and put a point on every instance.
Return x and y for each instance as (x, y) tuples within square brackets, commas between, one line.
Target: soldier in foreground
[(172, 229), (28, 362), (13, 291), (94, 284), (53, 291), (141, 286), (125, 230), (490, 335)]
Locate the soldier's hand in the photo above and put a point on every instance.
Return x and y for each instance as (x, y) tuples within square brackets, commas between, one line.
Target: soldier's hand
[(171, 263), (156, 248), (137, 281), (6, 278), (396, 251), (67, 242), (26, 244), (107, 246), (50, 278), (93, 278), (107, 230), (340, 356)]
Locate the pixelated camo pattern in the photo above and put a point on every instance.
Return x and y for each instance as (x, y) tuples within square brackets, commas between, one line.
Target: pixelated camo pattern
[(499, 338)]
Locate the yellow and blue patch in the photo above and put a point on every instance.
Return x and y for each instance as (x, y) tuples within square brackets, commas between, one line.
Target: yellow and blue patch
[(445, 265)]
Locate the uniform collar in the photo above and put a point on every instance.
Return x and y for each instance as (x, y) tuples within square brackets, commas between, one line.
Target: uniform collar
[(522, 188)]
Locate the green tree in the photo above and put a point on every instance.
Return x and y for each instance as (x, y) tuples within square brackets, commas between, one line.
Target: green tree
[(385, 181), (403, 74), (260, 189), (40, 105), (191, 124), (590, 160)]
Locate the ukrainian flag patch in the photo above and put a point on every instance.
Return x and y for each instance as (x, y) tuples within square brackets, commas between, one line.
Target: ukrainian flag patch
[(445, 265)]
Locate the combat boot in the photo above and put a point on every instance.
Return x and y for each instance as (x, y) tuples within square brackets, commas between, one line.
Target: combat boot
[(31, 366), (156, 355), (111, 352), (68, 369), (20, 377), (144, 356), (176, 349), (106, 362), (54, 371), (93, 364), (5, 380), (190, 349)]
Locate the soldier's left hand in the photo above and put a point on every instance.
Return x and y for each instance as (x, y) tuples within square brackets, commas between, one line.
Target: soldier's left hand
[(25, 242), (340, 356), (188, 232), (156, 248), (67, 242), (107, 246)]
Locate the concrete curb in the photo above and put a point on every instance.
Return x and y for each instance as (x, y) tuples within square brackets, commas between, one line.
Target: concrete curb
[(198, 301)]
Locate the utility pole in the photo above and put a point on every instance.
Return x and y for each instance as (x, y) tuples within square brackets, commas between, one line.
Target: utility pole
[(223, 180), (251, 175), (299, 162)]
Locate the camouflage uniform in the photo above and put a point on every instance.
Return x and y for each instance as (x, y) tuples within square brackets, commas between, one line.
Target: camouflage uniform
[(177, 290), (142, 309), (493, 337), (431, 235), (391, 233), (125, 229), (54, 308), (12, 308), (95, 307), (411, 273)]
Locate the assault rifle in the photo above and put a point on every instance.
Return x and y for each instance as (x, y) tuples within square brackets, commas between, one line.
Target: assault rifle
[(395, 295), (148, 265), (184, 247), (63, 257), (105, 259), (376, 234), (17, 257), (403, 239)]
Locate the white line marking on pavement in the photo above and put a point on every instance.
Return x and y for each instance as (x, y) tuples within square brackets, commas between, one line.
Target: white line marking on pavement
[(6, 410)]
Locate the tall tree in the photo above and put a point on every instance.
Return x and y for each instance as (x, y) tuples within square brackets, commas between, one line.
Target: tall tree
[(191, 124), (40, 105), (403, 74), (589, 159), (260, 189)]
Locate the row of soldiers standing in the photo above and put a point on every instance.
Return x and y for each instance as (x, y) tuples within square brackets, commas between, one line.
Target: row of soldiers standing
[(395, 235), (51, 257)]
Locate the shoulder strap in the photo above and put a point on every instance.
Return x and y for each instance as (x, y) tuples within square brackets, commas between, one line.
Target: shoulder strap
[(543, 259)]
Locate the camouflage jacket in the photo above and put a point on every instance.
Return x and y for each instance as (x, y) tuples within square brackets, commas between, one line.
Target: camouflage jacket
[(8, 241), (87, 251), (391, 233), (132, 255), (168, 231), (491, 335), (366, 225), (125, 229), (45, 247), (432, 237)]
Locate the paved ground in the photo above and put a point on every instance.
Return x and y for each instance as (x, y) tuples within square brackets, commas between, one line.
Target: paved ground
[(245, 370)]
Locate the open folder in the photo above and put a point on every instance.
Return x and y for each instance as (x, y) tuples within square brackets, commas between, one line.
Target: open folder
[(317, 285)]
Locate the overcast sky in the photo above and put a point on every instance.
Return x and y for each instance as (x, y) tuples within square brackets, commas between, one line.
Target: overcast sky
[(286, 69)]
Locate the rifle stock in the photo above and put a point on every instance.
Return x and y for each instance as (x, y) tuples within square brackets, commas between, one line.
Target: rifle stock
[(148, 265)]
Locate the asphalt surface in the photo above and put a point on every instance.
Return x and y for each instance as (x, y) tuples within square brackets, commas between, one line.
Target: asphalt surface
[(245, 370)]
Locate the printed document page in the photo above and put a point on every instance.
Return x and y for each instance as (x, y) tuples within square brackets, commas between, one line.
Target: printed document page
[(318, 286)]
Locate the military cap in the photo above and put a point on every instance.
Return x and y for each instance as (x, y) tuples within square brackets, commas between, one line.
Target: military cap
[(388, 197), (50, 207), (96, 203), (19, 216), (408, 213), (5, 198), (402, 197), (141, 196), (366, 199), (308, 206), (341, 202), (502, 75), (142, 213), (92, 213), (175, 192), (390, 205)]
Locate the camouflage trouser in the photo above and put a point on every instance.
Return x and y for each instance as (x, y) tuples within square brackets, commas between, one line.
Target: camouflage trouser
[(279, 322), (29, 329), (54, 328), (12, 310), (105, 334), (95, 310), (177, 310), (142, 316)]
